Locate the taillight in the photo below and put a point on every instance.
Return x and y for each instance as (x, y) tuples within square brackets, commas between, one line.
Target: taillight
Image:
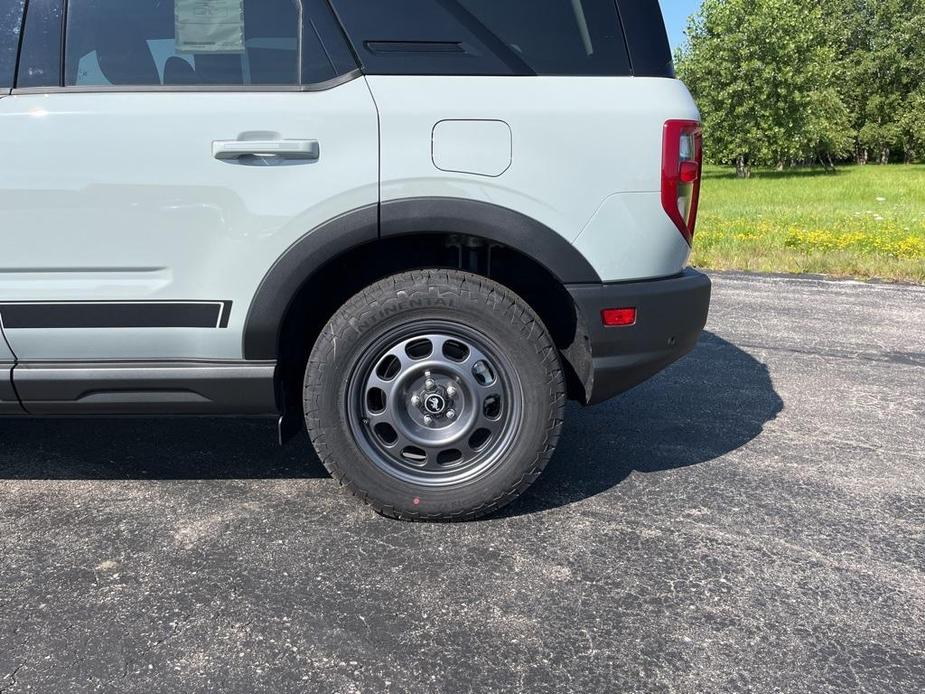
[(682, 170)]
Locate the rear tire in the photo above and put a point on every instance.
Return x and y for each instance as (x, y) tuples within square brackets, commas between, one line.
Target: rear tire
[(435, 395)]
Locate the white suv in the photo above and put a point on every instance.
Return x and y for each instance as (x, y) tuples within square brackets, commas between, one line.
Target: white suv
[(417, 226)]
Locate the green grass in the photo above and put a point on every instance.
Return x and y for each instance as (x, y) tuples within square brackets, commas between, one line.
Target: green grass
[(864, 221)]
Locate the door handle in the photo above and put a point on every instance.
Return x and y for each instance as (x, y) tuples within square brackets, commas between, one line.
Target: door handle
[(229, 150)]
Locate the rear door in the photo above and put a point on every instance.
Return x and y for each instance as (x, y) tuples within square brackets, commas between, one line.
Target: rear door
[(11, 14), (154, 172)]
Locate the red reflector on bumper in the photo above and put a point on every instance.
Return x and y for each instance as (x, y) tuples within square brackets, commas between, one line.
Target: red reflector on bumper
[(618, 317)]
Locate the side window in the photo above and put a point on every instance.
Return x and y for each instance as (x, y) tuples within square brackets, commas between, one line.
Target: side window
[(558, 37), (424, 37), (11, 12), (40, 57), (487, 37), (190, 43), (646, 38)]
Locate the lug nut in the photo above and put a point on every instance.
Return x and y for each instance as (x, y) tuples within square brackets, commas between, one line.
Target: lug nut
[(429, 384), (416, 400), (451, 391), (428, 420), (451, 414)]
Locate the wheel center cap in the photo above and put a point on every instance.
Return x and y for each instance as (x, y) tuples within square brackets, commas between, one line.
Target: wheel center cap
[(435, 404)]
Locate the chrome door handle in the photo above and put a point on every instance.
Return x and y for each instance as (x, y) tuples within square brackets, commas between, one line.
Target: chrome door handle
[(229, 150)]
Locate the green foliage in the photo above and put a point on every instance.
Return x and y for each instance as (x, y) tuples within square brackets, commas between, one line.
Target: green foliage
[(780, 82)]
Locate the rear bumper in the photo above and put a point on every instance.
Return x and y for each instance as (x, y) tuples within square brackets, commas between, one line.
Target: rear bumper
[(671, 314)]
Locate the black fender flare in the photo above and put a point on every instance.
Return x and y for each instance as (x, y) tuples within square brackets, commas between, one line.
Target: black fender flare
[(396, 218), (294, 268), (492, 223)]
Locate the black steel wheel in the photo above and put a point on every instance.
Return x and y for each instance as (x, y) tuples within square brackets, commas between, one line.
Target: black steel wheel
[(434, 403), (435, 395)]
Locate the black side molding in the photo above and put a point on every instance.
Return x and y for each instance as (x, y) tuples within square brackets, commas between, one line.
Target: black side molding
[(115, 314), (147, 388)]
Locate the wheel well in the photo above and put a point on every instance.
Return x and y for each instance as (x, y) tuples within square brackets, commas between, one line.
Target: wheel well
[(341, 278)]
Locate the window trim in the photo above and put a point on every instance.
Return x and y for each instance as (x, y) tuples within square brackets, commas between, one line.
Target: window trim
[(192, 88), (306, 27)]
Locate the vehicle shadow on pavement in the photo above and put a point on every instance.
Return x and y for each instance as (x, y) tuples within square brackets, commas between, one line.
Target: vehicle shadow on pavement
[(714, 401), (151, 449)]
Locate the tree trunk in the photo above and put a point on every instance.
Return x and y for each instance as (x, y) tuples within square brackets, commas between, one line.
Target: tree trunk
[(863, 156), (885, 156), (743, 169)]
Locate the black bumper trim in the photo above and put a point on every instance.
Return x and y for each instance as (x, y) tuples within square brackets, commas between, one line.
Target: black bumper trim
[(671, 314)]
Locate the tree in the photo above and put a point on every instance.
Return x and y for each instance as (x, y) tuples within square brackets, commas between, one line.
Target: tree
[(898, 61), (829, 134), (762, 72), (912, 125), (880, 61), (850, 24)]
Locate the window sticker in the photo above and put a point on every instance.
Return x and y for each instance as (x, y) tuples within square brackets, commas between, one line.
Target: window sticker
[(210, 26)]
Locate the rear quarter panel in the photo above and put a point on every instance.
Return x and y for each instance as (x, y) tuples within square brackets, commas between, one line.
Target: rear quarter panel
[(585, 157)]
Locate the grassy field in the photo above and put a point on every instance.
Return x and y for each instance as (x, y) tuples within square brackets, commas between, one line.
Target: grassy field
[(866, 222)]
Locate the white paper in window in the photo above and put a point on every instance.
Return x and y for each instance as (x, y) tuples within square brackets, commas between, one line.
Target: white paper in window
[(210, 26)]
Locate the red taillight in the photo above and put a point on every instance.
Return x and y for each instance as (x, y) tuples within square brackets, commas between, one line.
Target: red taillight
[(618, 317), (682, 168), (690, 172)]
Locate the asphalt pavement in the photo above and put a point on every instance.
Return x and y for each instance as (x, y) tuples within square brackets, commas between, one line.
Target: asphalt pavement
[(751, 520)]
